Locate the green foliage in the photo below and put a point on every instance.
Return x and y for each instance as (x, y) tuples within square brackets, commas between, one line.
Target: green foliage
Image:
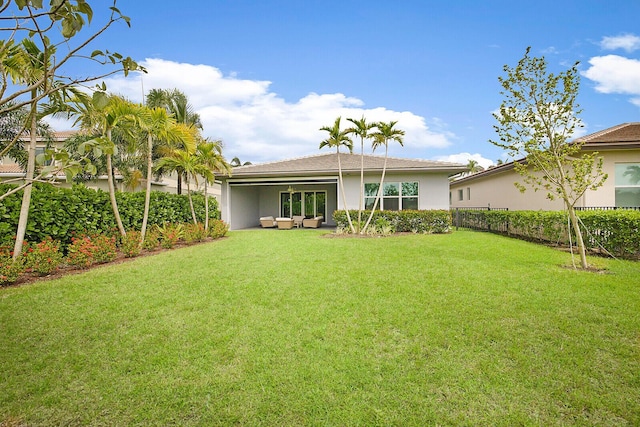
[(411, 221), (217, 228), (614, 231), (170, 234), (130, 244), (62, 213), (10, 270), (194, 232), (45, 257)]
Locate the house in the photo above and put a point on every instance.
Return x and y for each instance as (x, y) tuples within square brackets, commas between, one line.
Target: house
[(308, 186), (11, 172), (619, 147)]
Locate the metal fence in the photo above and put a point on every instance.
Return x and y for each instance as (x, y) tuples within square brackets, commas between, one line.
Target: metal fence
[(606, 208), (468, 218)]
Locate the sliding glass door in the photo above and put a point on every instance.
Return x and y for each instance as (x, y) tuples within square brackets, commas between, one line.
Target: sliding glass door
[(313, 202)]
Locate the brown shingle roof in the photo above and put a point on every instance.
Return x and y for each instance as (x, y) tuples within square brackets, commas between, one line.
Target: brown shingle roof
[(328, 164), (624, 133)]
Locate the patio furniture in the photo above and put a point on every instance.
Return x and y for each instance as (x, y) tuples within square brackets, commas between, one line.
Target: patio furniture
[(284, 223), (268, 222), (297, 220), (312, 222)]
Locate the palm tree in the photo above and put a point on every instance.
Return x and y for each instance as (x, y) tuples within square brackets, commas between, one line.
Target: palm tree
[(235, 162), (473, 167), (176, 104), (209, 154), (188, 162), (362, 129), (336, 139), (157, 124), (100, 115), (385, 134)]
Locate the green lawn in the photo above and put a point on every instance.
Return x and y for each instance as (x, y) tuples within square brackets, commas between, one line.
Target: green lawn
[(274, 327)]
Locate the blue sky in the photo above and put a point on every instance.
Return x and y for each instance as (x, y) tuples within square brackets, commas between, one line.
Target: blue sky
[(266, 75)]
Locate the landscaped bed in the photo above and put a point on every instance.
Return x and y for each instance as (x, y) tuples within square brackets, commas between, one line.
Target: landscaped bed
[(270, 329)]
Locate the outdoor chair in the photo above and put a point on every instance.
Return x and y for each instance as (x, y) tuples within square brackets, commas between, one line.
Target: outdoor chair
[(312, 222), (284, 223), (268, 222)]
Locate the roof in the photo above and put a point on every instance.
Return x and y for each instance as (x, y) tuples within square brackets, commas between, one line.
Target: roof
[(623, 136), (324, 164)]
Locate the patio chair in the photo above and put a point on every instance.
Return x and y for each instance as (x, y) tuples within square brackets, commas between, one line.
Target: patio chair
[(284, 223), (312, 222), (268, 222)]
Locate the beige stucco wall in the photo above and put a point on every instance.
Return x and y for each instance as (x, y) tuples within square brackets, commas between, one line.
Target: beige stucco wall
[(499, 191), (432, 188)]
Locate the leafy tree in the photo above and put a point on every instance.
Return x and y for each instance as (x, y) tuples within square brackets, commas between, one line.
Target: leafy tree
[(386, 133), (362, 129), (338, 138), (537, 117), (32, 70)]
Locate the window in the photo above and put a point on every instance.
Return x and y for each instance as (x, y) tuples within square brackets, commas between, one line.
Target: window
[(468, 193), (460, 195), (313, 202), (395, 195), (627, 182)]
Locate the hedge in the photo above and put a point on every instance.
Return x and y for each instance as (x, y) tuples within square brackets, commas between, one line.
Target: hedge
[(613, 231), (412, 221), (62, 212)]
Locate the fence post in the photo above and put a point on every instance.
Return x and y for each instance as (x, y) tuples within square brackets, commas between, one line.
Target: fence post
[(488, 223)]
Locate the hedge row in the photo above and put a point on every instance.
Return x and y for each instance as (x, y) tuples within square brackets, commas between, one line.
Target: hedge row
[(62, 212), (614, 231), (412, 221)]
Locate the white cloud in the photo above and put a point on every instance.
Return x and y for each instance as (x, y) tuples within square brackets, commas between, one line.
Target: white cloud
[(615, 74), (628, 42), (257, 125), (465, 157)]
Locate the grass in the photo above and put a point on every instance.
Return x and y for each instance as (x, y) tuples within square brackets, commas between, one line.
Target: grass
[(272, 327)]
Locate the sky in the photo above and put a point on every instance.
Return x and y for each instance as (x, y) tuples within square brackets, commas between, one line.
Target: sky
[(265, 76)]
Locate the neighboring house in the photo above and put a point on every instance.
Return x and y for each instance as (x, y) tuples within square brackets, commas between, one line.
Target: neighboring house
[(309, 186), (619, 146), (13, 173)]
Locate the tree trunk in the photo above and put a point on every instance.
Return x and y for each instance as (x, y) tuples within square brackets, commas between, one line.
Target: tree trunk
[(28, 178), (576, 229), (206, 206), (373, 209), (112, 191), (147, 196), (179, 183), (193, 211), (344, 196), (361, 185)]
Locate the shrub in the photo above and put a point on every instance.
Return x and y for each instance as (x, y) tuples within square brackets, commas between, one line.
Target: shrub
[(151, 238), (88, 250), (217, 228), (130, 244), (170, 235), (194, 232), (414, 221), (10, 270), (45, 257), (63, 213)]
